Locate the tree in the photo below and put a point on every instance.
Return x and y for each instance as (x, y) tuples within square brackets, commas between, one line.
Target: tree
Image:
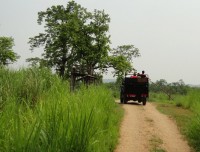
[(77, 38), (178, 87), (93, 46), (36, 61), (120, 65), (7, 55), (122, 58), (128, 51), (61, 28), (73, 37), (169, 88)]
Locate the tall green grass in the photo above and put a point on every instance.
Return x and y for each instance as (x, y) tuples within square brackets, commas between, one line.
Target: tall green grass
[(194, 132), (157, 97), (25, 85), (192, 101), (114, 88), (39, 113)]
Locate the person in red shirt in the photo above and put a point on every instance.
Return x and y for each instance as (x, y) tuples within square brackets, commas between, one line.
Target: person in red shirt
[(134, 75)]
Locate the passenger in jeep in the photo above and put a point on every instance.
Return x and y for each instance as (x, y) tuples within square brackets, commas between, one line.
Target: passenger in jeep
[(134, 76)]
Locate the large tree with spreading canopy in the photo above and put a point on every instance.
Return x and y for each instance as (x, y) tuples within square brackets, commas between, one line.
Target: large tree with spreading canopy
[(73, 37)]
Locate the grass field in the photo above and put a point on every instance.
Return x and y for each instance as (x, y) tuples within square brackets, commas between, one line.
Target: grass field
[(186, 111), (39, 113)]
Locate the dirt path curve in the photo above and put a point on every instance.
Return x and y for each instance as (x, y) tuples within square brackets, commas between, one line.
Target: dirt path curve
[(144, 129)]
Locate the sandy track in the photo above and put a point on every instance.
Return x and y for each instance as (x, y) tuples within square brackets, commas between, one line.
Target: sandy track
[(144, 129)]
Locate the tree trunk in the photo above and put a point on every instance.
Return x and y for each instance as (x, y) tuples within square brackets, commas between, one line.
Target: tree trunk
[(62, 71), (62, 66), (90, 71)]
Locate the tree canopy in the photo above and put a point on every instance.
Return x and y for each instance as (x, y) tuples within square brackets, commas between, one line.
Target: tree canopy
[(121, 59), (75, 37), (7, 55)]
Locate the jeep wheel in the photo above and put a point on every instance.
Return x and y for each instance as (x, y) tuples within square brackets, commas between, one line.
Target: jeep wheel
[(121, 100), (144, 100)]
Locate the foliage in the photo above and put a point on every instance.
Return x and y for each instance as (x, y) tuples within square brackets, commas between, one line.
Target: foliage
[(120, 64), (36, 61), (7, 55), (73, 37), (92, 47), (114, 88), (128, 51), (169, 88), (121, 59), (58, 120)]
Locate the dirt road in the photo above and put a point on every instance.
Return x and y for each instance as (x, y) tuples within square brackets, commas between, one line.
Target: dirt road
[(144, 129)]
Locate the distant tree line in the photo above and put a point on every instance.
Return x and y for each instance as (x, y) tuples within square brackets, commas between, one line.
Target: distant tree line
[(169, 88)]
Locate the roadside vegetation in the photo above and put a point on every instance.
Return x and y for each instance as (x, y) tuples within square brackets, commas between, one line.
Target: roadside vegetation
[(114, 88), (184, 107), (39, 113)]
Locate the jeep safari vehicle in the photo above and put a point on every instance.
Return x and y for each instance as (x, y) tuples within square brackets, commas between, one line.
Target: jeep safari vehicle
[(134, 88)]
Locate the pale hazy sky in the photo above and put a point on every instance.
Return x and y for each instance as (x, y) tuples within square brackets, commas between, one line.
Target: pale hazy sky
[(167, 32)]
